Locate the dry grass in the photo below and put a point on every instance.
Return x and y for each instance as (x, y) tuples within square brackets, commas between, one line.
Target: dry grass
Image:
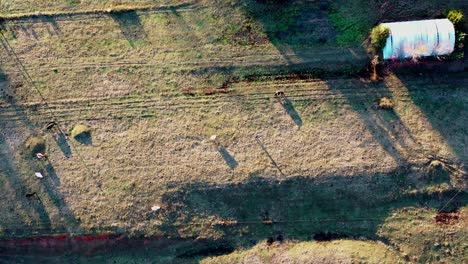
[(144, 84), (80, 131), (340, 251), (35, 145), (385, 104), (33, 9)]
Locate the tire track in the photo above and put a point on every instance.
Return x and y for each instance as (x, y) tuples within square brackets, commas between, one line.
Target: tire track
[(116, 108), (124, 107), (266, 60)]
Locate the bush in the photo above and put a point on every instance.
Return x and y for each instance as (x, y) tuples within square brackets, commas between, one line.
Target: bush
[(379, 35), (385, 103), (457, 18), (81, 132), (35, 145)]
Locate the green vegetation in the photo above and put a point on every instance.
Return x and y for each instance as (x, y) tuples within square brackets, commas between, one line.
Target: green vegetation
[(156, 84), (35, 145), (457, 18), (379, 35), (352, 21)]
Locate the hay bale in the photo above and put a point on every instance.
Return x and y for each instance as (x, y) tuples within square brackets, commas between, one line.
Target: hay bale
[(385, 103), (81, 133), (35, 145), (438, 171)]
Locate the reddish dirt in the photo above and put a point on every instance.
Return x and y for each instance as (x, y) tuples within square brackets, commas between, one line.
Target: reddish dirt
[(83, 245), (445, 218)]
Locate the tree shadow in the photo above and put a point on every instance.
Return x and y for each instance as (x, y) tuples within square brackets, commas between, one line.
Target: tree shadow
[(291, 111), (34, 197), (51, 183), (298, 207), (228, 158), (130, 26), (29, 208), (442, 97), (298, 30), (385, 126)]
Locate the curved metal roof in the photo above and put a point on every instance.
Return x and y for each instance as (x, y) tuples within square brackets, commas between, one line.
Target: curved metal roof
[(419, 38)]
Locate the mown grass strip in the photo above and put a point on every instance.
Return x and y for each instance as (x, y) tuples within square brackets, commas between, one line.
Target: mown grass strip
[(111, 10)]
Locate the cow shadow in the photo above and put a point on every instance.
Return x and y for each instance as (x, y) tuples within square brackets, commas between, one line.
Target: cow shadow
[(228, 158), (291, 111)]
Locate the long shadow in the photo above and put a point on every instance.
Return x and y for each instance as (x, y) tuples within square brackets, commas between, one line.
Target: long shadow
[(380, 123), (34, 196), (291, 111), (50, 185), (61, 141), (296, 28), (443, 98), (130, 26), (27, 202), (290, 25), (228, 158), (298, 207)]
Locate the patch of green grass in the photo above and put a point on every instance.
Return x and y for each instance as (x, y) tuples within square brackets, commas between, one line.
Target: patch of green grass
[(73, 3), (352, 21)]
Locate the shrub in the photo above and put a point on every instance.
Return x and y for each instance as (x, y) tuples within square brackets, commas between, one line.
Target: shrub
[(385, 103), (457, 18), (35, 145), (80, 132), (379, 35)]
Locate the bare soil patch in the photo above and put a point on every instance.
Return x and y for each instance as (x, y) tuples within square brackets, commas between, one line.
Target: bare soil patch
[(447, 218)]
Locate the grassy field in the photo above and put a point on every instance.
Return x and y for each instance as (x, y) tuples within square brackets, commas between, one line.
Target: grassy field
[(154, 85), (340, 251)]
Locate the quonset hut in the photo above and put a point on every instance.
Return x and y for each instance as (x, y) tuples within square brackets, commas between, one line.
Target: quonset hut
[(419, 38)]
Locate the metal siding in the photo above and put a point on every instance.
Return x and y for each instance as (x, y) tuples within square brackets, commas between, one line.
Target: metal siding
[(419, 38)]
